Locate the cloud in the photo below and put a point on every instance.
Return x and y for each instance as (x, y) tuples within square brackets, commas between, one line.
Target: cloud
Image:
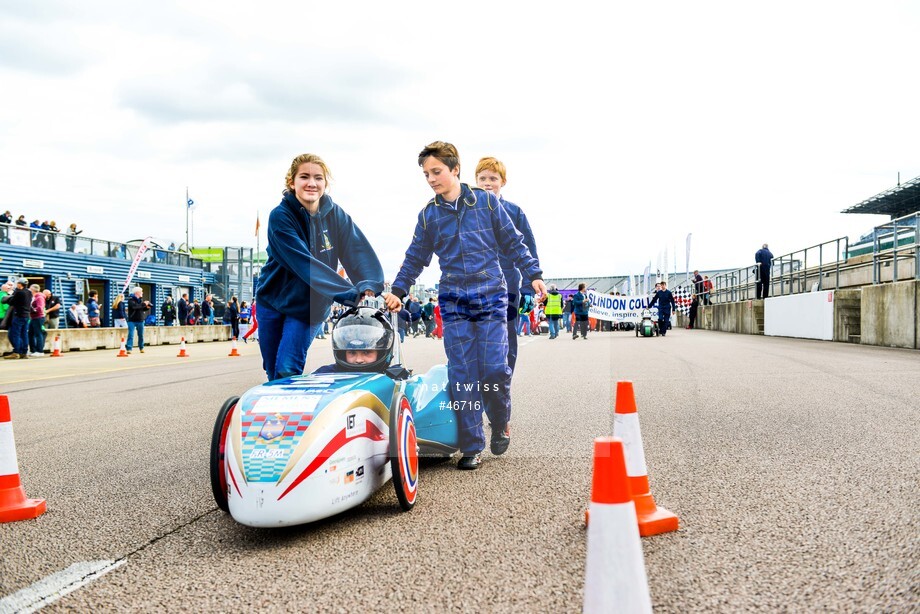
[(41, 49), (341, 88)]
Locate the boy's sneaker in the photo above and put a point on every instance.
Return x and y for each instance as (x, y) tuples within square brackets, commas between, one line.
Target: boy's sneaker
[(501, 439), (471, 461), (142, 350), (12, 356)]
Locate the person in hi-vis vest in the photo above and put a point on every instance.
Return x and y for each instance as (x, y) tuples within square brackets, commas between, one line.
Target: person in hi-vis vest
[(552, 307)]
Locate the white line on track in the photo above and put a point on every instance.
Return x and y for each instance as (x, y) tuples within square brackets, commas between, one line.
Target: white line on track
[(113, 370), (528, 339), (50, 589)]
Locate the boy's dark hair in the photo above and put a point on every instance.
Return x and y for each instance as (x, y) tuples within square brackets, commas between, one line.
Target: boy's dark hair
[(581, 287), (443, 151)]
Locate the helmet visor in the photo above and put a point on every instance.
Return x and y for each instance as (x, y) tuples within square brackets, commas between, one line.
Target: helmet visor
[(360, 336)]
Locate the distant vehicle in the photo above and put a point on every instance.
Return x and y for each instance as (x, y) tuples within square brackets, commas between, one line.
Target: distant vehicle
[(647, 327)]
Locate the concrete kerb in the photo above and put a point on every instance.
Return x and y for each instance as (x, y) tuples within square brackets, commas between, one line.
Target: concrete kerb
[(83, 339)]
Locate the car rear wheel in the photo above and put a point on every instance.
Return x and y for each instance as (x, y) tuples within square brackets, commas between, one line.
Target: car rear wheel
[(218, 445), (404, 453)]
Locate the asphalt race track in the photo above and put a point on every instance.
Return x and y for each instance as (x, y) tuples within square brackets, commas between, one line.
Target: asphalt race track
[(792, 464)]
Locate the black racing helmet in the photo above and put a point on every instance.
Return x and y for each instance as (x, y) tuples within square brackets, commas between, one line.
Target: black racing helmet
[(363, 328)]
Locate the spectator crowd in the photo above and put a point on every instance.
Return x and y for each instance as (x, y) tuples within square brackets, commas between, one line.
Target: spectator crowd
[(27, 312), (43, 233)]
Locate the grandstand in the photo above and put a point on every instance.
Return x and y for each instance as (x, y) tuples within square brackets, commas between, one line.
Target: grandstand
[(72, 266), (901, 203), (896, 202)]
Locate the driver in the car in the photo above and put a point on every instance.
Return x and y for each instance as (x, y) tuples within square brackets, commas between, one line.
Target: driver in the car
[(362, 341)]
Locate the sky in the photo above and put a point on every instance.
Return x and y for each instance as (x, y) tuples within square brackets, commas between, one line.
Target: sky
[(625, 126)]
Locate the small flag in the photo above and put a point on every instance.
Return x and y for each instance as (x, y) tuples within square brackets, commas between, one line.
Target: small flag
[(257, 224), (190, 203), (137, 260)]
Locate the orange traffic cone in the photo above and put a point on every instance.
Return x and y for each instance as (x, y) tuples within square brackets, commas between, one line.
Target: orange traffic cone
[(615, 578), (56, 347), (123, 351), (182, 353), (233, 350), (13, 503), (652, 519)]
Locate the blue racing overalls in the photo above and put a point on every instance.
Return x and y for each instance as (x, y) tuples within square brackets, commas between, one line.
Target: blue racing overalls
[(473, 298), (513, 277)]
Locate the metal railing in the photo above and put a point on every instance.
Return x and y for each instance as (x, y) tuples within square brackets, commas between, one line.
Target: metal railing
[(77, 244), (804, 270), (893, 242)]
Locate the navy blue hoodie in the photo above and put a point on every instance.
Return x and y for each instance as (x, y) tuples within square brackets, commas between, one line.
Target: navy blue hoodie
[(300, 278)]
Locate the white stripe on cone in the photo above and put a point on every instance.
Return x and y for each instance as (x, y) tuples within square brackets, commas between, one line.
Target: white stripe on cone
[(8, 462), (626, 427), (615, 579)]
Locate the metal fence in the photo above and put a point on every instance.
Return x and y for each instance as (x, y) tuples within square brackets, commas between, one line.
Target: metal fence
[(77, 244), (893, 242), (804, 270)]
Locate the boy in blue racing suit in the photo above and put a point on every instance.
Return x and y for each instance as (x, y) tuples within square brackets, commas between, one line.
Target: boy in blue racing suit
[(491, 176), (468, 228)]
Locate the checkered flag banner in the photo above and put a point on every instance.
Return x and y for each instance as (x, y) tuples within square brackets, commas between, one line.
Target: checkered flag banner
[(682, 297)]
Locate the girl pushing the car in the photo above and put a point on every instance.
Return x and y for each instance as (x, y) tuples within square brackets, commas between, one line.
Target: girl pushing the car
[(308, 234)]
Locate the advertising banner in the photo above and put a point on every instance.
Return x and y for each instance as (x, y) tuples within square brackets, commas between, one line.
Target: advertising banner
[(629, 308), (618, 308)]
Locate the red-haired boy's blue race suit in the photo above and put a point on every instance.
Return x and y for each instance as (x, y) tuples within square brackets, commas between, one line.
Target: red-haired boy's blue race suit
[(513, 277), (473, 298)]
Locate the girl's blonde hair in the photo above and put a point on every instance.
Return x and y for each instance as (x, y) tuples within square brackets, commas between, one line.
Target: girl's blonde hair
[(305, 159), (118, 299)]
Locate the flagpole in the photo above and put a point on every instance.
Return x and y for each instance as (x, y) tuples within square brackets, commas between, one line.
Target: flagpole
[(255, 259), (675, 262), (186, 219)]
